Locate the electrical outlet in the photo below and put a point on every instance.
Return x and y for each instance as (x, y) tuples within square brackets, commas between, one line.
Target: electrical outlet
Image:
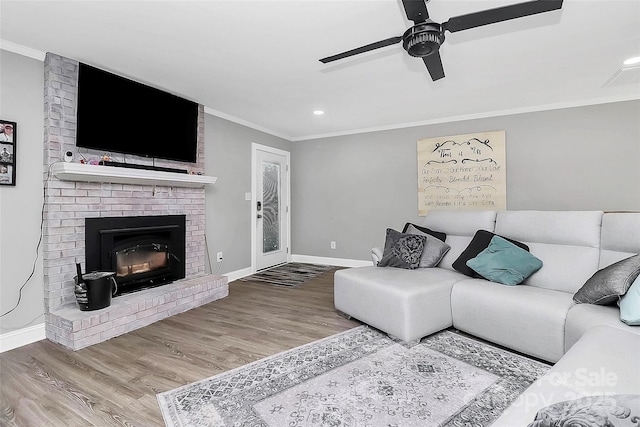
[(333, 245), (219, 257)]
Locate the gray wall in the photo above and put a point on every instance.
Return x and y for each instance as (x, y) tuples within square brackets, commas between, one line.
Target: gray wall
[(228, 157), (21, 101), (351, 188)]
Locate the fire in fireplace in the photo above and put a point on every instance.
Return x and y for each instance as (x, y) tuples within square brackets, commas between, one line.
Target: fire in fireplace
[(143, 251)]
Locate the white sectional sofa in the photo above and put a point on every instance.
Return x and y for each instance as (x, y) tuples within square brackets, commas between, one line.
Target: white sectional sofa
[(537, 317), (600, 372)]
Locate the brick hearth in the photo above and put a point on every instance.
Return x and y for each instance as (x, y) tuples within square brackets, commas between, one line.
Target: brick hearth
[(68, 203), (77, 329)]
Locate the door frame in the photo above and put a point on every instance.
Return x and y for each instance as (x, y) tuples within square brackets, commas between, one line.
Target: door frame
[(254, 198)]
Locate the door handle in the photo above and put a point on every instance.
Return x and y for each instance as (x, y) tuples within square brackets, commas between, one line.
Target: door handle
[(259, 206)]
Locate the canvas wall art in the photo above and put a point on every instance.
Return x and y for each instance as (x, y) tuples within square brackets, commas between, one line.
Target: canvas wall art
[(462, 172)]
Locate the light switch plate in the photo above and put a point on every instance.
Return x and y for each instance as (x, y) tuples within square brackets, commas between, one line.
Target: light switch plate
[(247, 196)]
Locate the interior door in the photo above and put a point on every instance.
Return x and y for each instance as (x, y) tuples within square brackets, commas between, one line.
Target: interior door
[(271, 208)]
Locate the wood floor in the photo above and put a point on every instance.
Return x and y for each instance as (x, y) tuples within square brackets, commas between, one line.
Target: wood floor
[(115, 383)]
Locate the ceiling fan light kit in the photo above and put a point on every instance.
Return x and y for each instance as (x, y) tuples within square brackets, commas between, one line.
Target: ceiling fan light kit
[(424, 38)]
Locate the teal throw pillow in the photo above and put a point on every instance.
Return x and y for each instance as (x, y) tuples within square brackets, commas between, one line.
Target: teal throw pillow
[(630, 304), (504, 262)]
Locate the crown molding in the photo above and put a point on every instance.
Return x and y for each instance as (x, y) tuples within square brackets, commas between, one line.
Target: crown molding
[(246, 123), (497, 113), (22, 50)]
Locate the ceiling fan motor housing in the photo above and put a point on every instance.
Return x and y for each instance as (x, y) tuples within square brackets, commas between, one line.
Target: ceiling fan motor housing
[(423, 39)]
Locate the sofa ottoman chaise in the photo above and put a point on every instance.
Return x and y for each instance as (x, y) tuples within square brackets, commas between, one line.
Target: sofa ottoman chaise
[(410, 304)]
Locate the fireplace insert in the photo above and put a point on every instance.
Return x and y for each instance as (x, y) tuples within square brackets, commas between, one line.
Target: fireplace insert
[(143, 251)]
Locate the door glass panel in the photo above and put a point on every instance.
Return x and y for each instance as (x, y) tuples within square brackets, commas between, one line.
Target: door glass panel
[(270, 207)]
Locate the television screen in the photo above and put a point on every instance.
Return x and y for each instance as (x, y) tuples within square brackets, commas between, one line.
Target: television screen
[(118, 115)]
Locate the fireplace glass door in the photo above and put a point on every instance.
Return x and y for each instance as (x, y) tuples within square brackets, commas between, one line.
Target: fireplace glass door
[(141, 258)]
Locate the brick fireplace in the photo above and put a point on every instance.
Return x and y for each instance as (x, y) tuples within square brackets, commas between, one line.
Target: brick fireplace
[(69, 202)]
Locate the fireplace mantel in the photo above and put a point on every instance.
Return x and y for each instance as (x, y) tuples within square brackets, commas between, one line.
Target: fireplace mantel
[(116, 175)]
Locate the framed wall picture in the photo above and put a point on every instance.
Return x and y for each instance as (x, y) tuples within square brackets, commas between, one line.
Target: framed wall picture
[(462, 172), (8, 140)]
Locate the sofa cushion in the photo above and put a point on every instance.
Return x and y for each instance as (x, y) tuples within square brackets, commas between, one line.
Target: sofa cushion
[(434, 248), (602, 364), (460, 222), (460, 226), (525, 318), (620, 237), (582, 317), (480, 241), (408, 304), (402, 250), (567, 242), (412, 228), (575, 228), (610, 283), (503, 262), (630, 304)]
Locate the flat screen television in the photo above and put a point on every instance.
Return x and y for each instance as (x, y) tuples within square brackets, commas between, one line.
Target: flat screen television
[(118, 115)]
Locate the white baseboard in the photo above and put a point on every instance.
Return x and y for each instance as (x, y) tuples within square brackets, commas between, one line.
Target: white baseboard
[(338, 262), (15, 339), (239, 274)]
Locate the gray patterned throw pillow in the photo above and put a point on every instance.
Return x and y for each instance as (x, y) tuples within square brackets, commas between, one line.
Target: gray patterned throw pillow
[(402, 250), (606, 286), (434, 250), (613, 410)]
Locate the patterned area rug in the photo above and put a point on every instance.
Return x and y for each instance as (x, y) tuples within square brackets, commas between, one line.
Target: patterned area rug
[(360, 377), (291, 274)]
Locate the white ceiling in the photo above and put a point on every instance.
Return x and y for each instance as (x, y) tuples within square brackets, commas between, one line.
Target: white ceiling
[(256, 62)]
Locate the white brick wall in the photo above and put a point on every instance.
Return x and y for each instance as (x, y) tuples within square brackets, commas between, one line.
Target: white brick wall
[(67, 204)]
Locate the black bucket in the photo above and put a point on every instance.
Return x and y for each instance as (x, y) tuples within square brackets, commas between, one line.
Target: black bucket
[(94, 290)]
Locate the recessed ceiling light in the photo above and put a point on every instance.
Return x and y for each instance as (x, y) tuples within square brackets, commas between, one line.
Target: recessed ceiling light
[(318, 112), (632, 61)]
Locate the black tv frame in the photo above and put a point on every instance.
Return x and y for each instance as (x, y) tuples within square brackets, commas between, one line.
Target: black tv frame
[(117, 115)]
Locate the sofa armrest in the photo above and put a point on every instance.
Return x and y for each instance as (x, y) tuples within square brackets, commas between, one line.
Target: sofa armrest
[(376, 255)]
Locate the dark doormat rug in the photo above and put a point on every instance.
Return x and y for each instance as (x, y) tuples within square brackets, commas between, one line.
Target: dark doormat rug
[(291, 274), (360, 377)]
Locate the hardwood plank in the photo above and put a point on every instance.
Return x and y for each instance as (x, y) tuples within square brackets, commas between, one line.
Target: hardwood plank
[(114, 383)]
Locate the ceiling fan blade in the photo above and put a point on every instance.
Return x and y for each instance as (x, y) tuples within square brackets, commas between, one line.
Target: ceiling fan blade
[(434, 66), (367, 48), (416, 10), (499, 14)]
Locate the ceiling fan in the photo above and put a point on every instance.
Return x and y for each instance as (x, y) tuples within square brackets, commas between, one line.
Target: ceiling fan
[(423, 40)]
